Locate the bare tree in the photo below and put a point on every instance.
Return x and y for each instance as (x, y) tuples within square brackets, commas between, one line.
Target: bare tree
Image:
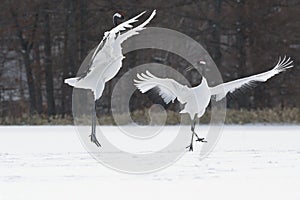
[(47, 41), (26, 41), (48, 59)]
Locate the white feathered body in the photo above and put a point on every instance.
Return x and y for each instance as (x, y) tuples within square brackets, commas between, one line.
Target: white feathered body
[(196, 104), (196, 99), (106, 60), (111, 57)]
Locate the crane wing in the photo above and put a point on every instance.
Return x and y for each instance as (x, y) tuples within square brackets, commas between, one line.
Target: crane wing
[(135, 30), (121, 37), (220, 91), (168, 89), (100, 45)]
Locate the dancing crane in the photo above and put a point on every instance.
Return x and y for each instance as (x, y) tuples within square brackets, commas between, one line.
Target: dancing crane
[(196, 99), (106, 60)]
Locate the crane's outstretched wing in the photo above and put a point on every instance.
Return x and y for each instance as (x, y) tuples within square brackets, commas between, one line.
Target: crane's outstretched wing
[(168, 89), (134, 31), (221, 90), (123, 27), (115, 33)]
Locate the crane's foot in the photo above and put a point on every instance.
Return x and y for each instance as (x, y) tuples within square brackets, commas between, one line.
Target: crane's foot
[(94, 140), (190, 147), (201, 140)]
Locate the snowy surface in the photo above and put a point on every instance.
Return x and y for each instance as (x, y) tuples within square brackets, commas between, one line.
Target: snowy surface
[(249, 162)]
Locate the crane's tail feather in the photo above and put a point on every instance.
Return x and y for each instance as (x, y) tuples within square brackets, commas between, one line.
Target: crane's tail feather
[(71, 81), (283, 64)]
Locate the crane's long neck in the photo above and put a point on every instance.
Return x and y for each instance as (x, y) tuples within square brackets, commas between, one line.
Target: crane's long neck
[(203, 83), (115, 21)]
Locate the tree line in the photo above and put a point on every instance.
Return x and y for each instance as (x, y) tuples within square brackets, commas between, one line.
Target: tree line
[(43, 42)]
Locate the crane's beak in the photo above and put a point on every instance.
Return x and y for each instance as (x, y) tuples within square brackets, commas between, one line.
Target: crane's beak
[(200, 62)]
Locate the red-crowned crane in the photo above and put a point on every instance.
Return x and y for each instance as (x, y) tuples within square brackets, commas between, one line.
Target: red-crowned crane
[(196, 99), (106, 60)]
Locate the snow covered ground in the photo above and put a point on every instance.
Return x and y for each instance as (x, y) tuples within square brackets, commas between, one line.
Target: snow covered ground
[(249, 162)]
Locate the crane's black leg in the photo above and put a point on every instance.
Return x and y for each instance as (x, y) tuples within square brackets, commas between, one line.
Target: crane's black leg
[(190, 147), (93, 134), (198, 138)]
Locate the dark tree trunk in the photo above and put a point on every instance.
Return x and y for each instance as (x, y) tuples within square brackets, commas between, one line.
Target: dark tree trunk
[(66, 65), (216, 47), (38, 75), (72, 36), (26, 47), (83, 27), (241, 40), (30, 81), (48, 62)]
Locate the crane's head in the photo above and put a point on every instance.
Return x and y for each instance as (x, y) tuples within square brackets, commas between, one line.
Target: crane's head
[(117, 16), (197, 72), (198, 65)]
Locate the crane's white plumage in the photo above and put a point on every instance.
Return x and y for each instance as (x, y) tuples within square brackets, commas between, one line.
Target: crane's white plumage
[(196, 99), (107, 58), (106, 61), (169, 90), (221, 90)]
